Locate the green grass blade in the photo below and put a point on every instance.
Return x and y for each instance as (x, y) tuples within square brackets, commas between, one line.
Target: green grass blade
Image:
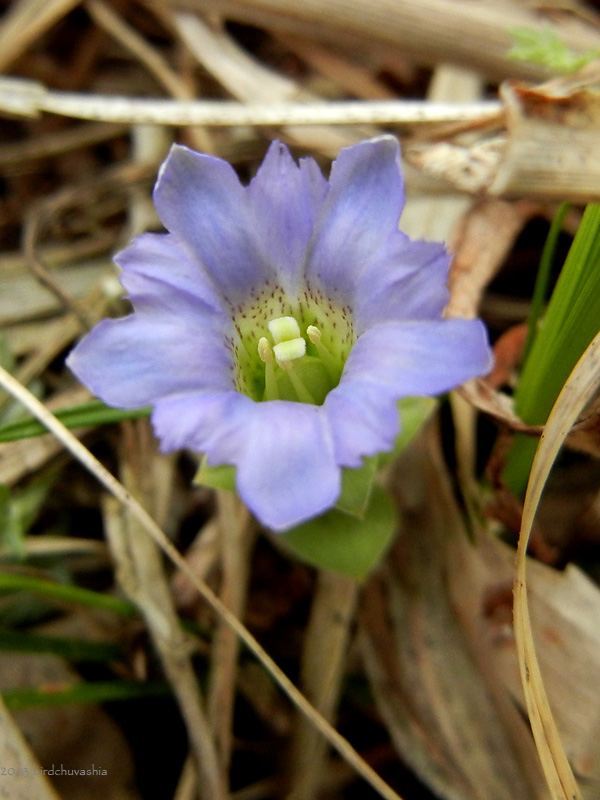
[(540, 292), (75, 595), (86, 415), (570, 323), (69, 648), (98, 692)]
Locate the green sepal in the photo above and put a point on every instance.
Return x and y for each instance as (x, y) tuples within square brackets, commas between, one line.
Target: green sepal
[(343, 543), (215, 477), (414, 413), (357, 485)]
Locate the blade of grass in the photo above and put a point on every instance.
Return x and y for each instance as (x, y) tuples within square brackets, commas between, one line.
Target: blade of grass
[(540, 291), (86, 415), (81, 692), (112, 485), (578, 390), (72, 649), (570, 323), (75, 595)]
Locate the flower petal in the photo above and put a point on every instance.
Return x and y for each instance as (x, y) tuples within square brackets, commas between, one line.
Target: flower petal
[(201, 200), (363, 421), (157, 264), (208, 422), (362, 209), (285, 200), (407, 282), (283, 451), (420, 358), (134, 361), (286, 469)]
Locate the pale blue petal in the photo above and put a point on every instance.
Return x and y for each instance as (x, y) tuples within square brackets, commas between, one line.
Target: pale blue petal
[(285, 200), (157, 264), (420, 358), (133, 361), (201, 200), (286, 470), (407, 282), (362, 210), (363, 420), (284, 455), (212, 423)]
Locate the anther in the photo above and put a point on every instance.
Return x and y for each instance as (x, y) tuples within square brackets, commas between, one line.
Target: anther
[(329, 362), (265, 354)]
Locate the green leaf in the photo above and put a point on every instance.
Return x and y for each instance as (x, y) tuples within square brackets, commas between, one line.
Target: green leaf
[(73, 649), (414, 413), (85, 415), (18, 510), (7, 360), (569, 325), (12, 532), (357, 485), (64, 593), (343, 543), (540, 291), (544, 46), (81, 692)]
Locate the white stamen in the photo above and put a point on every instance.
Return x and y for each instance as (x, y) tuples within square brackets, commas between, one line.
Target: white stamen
[(265, 354), (329, 362)]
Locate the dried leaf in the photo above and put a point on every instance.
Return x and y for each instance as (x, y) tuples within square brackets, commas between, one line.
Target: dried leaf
[(579, 389), (548, 150), (552, 145), (449, 719)]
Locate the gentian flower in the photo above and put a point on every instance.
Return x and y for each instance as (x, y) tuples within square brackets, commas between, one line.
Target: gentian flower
[(276, 326)]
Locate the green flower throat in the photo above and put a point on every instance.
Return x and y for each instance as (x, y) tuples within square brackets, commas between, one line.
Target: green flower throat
[(286, 351)]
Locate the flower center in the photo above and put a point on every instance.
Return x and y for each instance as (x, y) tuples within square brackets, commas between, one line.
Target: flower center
[(290, 351)]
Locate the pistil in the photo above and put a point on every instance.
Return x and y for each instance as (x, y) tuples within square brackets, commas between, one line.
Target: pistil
[(303, 394), (309, 369)]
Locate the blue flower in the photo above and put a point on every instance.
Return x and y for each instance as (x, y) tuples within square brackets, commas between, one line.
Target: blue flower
[(276, 325)]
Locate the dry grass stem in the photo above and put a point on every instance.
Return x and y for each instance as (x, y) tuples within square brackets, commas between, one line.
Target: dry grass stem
[(31, 98), (137, 512), (25, 22), (323, 668), (429, 31), (236, 538), (141, 574), (129, 38), (580, 388), (440, 712)]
